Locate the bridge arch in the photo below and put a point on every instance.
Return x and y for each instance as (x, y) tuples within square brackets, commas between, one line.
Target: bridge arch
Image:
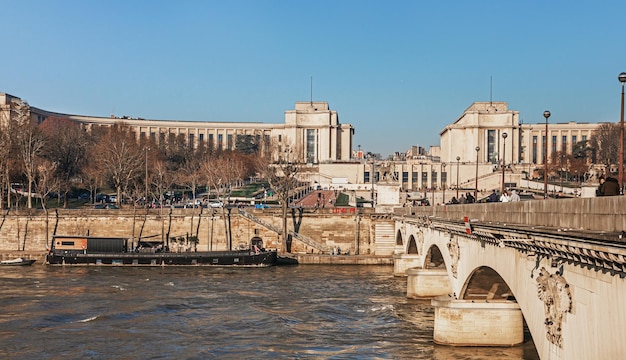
[(484, 283), (433, 258), (411, 248)]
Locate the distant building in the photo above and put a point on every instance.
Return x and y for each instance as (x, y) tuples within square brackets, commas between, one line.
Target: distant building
[(311, 132)]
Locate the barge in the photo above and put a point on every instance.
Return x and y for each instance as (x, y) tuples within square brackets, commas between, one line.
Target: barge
[(90, 250)]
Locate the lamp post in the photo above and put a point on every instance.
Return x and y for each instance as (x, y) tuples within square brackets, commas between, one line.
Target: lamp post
[(504, 135), (476, 188), (146, 149), (622, 79), (458, 159), (443, 183), (546, 114)]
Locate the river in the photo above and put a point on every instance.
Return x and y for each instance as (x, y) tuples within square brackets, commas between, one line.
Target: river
[(295, 312)]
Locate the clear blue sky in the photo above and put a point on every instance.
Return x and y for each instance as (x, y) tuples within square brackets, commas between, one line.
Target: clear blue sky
[(398, 71)]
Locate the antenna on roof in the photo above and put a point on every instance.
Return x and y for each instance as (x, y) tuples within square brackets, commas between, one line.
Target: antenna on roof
[(311, 90), (490, 90)]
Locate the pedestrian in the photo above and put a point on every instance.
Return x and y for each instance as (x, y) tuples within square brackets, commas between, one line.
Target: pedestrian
[(504, 197), (514, 196), (599, 191), (493, 197), (610, 187)]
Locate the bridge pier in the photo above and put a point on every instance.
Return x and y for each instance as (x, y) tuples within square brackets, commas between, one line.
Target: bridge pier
[(427, 283), (402, 262), (477, 322)]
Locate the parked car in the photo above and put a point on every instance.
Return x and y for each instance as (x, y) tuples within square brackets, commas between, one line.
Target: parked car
[(216, 204), (261, 206)]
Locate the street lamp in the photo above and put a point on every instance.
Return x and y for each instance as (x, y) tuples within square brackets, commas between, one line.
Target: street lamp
[(504, 135), (476, 188), (146, 150), (622, 79), (443, 183), (546, 114), (458, 158)]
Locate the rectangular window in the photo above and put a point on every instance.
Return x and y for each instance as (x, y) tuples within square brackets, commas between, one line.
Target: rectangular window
[(310, 146), (414, 177), (220, 141), (211, 141), (553, 143), (534, 149), (492, 154), (424, 179), (573, 139), (444, 177), (366, 177), (190, 141), (229, 141), (433, 178), (584, 137), (201, 137), (564, 143)]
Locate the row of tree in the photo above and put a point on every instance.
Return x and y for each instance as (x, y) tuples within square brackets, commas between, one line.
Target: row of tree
[(59, 155)]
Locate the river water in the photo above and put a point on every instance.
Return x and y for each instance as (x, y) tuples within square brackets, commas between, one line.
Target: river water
[(295, 312)]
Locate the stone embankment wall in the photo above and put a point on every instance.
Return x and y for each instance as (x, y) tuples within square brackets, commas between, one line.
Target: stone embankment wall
[(33, 230), (606, 214)]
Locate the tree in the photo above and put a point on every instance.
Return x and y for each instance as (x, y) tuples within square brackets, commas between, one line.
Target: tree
[(30, 144), (605, 144), (46, 182), (222, 171), (282, 178), (66, 147), (120, 157), (246, 144)]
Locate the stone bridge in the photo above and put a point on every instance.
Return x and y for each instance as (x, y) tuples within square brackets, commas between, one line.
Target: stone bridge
[(555, 266)]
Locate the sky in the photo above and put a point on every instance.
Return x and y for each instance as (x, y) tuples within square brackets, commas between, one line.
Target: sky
[(398, 71)]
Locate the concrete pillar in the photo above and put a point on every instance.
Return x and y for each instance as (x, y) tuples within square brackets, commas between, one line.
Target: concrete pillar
[(477, 323), (427, 283), (402, 262)]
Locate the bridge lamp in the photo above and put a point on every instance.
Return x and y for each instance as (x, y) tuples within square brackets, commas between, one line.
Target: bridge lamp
[(546, 114), (476, 187), (622, 79), (458, 158), (504, 135)]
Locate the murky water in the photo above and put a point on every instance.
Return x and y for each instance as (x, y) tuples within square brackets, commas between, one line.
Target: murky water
[(316, 312)]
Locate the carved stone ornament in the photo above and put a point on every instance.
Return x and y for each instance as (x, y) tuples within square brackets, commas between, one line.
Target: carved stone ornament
[(455, 255), (554, 291)]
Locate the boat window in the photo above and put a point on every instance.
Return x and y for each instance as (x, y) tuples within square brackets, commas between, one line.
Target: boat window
[(67, 243)]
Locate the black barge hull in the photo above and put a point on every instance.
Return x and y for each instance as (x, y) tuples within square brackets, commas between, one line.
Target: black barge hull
[(213, 258)]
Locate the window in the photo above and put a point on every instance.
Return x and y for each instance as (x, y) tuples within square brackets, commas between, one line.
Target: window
[(414, 177), (220, 141), (553, 143), (190, 141), (564, 143), (310, 145), (366, 177), (229, 141), (492, 154), (534, 149)]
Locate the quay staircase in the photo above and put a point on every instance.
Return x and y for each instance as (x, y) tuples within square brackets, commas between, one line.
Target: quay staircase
[(305, 239)]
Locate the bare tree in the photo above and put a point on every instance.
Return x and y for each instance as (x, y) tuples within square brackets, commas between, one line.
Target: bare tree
[(120, 157), (605, 143), (46, 181), (282, 177), (30, 145), (66, 147)]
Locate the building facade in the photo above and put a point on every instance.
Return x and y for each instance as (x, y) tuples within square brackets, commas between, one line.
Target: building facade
[(310, 134)]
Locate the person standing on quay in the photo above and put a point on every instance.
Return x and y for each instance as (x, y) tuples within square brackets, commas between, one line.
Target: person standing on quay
[(610, 187)]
